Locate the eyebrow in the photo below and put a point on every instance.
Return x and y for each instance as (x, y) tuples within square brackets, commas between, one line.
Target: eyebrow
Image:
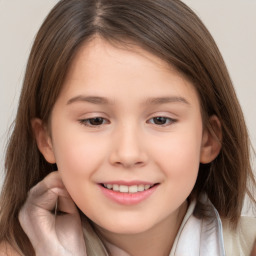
[(164, 100), (150, 101), (89, 99)]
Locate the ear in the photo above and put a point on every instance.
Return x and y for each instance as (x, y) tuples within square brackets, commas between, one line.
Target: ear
[(43, 139), (211, 140)]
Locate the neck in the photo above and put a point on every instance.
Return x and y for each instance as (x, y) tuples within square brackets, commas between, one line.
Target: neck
[(158, 240)]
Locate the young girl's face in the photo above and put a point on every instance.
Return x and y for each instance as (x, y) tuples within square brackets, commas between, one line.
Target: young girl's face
[(127, 120)]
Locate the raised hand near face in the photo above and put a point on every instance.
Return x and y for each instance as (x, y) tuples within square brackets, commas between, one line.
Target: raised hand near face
[(51, 220)]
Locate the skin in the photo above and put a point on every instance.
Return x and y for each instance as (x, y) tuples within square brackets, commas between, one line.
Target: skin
[(51, 233), (253, 253), (128, 144)]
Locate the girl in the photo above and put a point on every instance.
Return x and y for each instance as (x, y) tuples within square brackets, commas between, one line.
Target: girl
[(129, 139)]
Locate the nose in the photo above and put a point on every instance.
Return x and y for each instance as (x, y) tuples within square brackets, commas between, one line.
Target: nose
[(128, 148)]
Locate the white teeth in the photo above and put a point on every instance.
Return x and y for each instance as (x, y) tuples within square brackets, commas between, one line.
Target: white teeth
[(127, 189), (147, 187), (115, 187), (123, 188), (141, 188), (109, 186), (133, 189)]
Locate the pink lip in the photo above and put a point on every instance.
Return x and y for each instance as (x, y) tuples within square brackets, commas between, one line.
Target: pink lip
[(127, 198), (129, 183)]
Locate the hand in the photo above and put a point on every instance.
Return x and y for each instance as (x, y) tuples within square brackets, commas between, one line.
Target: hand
[(50, 233), (253, 252)]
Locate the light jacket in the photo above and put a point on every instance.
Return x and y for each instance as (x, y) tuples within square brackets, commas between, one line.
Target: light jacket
[(212, 236)]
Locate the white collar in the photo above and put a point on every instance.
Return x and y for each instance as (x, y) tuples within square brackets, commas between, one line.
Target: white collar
[(199, 236)]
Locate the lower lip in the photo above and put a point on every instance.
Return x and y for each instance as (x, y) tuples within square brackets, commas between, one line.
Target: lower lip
[(128, 198)]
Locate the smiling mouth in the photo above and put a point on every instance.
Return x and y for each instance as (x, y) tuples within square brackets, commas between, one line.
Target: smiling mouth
[(128, 189)]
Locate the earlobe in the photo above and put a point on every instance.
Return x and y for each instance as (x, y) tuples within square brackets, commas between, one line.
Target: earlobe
[(211, 140), (43, 139)]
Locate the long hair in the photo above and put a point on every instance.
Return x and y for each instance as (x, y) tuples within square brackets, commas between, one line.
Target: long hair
[(166, 28)]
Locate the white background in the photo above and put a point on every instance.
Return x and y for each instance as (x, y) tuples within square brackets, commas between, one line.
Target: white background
[(231, 22)]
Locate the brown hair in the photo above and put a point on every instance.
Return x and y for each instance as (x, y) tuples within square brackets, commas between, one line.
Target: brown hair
[(168, 29)]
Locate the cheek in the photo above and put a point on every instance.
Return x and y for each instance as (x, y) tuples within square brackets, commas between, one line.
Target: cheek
[(76, 151), (77, 159), (179, 157), (77, 156), (179, 162)]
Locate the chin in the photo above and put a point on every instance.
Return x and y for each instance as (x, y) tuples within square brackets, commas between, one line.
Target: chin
[(125, 226)]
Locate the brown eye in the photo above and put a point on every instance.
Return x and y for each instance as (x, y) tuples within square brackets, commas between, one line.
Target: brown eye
[(161, 120), (96, 121)]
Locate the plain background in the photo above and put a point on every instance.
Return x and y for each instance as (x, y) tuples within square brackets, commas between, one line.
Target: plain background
[(231, 22)]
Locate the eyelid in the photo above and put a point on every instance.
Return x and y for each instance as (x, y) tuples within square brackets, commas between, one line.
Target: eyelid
[(171, 120), (85, 121)]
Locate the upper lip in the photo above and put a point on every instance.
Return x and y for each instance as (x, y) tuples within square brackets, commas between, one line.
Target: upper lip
[(129, 183)]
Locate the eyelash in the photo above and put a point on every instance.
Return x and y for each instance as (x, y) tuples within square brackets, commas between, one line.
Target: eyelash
[(87, 122), (170, 120)]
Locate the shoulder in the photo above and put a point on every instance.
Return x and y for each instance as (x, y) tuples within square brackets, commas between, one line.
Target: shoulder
[(239, 242), (7, 250)]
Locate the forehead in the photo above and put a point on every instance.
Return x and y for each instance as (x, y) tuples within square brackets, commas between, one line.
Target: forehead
[(103, 68), (101, 52)]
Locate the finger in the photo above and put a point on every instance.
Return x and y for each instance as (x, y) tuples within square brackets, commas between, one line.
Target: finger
[(253, 253), (44, 195), (67, 205), (52, 180), (48, 200)]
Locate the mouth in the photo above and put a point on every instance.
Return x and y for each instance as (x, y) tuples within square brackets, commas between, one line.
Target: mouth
[(128, 193), (129, 189)]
